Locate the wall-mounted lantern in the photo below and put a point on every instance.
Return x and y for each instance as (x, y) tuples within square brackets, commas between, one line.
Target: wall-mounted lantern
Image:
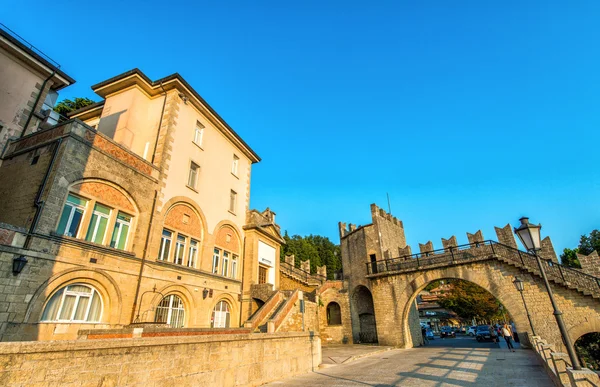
[(18, 264), (205, 293)]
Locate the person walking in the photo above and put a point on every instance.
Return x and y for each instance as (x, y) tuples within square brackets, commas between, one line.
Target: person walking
[(507, 333), (424, 334)]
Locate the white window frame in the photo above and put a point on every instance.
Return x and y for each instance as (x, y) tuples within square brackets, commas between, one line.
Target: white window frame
[(161, 253), (120, 223), (225, 267), (75, 207), (198, 134), (221, 314), (193, 172), (170, 309), (234, 165), (216, 260), (100, 215), (193, 253), (78, 295), (179, 249), (234, 264)]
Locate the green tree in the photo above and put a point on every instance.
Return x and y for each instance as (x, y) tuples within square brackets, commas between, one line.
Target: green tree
[(66, 105), (587, 244), (317, 249), (588, 349), (470, 301)]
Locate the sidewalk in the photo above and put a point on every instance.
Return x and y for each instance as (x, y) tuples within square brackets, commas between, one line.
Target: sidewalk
[(334, 354)]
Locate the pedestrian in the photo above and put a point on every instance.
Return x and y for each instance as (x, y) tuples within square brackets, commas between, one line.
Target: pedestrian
[(507, 333), (424, 334)]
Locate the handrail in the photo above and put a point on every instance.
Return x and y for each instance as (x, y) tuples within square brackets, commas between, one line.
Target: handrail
[(304, 274), (476, 251)]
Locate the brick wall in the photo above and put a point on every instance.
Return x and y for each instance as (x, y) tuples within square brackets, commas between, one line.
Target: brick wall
[(225, 360)]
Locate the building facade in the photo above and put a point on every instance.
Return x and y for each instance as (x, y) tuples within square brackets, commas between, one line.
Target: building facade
[(134, 210)]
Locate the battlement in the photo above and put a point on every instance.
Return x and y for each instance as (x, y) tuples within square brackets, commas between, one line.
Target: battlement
[(379, 213), (346, 229)]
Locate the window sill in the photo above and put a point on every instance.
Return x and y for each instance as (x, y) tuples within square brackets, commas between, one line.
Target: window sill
[(195, 271), (198, 145), (85, 243), (192, 188)]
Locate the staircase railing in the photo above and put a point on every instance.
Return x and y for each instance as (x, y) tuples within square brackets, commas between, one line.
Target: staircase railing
[(485, 250)]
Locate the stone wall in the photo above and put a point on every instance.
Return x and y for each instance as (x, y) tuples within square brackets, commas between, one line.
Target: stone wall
[(335, 334), (224, 360), (289, 283)]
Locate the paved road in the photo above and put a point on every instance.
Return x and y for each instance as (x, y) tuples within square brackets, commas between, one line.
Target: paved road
[(449, 362)]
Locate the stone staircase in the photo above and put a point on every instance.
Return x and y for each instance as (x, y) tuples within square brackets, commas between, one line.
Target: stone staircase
[(274, 312)]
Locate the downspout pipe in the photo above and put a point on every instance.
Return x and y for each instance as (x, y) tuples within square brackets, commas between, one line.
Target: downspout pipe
[(139, 280), (162, 113), (37, 100), (39, 203)]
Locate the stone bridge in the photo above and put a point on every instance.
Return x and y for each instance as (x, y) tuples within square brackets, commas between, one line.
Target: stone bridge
[(383, 291)]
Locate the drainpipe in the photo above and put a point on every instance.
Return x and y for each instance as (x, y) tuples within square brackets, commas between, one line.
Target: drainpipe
[(243, 265), (139, 280), (37, 100), (159, 122), (39, 203)]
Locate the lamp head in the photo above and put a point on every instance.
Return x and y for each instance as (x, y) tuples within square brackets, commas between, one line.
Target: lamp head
[(529, 234)]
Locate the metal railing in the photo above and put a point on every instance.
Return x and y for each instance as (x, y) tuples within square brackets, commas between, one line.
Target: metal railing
[(301, 274), (486, 250)]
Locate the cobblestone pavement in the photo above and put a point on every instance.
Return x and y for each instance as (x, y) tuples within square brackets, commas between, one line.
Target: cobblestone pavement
[(455, 362)]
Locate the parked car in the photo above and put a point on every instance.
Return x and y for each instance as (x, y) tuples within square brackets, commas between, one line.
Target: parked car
[(430, 335), (472, 330), (463, 329), (447, 332), (484, 333)]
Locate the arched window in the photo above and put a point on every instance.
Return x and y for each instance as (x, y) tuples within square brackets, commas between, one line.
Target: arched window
[(334, 314), (74, 303), (220, 315), (170, 310)]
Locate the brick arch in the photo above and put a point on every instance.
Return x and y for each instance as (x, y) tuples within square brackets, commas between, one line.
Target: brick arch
[(183, 200), (99, 279), (182, 217), (107, 192), (234, 244)]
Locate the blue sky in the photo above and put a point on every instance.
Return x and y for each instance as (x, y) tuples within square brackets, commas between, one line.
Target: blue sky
[(469, 114)]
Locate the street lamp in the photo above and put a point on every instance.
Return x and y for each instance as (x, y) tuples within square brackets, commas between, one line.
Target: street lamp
[(529, 234), (519, 285)]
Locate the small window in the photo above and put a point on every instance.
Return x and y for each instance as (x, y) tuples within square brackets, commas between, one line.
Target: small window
[(221, 316), (198, 133), (165, 245), (74, 303), (225, 263), (232, 201), (216, 259), (234, 165), (179, 249), (71, 217), (170, 310), (334, 314), (98, 224), (121, 231), (262, 275), (234, 264), (193, 176), (193, 253)]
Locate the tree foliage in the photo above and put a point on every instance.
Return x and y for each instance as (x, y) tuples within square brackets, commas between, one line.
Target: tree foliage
[(470, 301), (588, 349), (66, 105), (317, 249), (587, 244)]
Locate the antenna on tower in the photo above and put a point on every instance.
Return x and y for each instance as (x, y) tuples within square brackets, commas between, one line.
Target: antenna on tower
[(389, 205)]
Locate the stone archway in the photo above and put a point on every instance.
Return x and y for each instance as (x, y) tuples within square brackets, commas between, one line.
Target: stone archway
[(364, 327)]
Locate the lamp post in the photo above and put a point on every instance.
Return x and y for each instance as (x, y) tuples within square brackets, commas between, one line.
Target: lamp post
[(529, 234), (519, 285)]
